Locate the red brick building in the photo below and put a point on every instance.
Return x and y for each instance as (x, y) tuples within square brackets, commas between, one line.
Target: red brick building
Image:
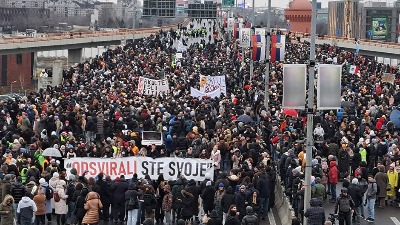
[(299, 16), (16, 68)]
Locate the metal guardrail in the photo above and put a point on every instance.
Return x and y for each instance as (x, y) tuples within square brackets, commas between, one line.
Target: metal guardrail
[(75, 35)]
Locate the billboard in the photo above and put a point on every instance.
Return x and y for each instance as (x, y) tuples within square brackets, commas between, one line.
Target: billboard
[(379, 28)]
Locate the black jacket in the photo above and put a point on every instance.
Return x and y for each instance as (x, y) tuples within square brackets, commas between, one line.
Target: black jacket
[(316, 214), (232, 220), (118, 189), (104, 192), (263, 186), (228, 199), (17, 191), (250, 218), (356, 194)]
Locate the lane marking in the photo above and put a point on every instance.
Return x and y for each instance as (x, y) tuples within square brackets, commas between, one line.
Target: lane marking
[(395, 220), (272, 221)]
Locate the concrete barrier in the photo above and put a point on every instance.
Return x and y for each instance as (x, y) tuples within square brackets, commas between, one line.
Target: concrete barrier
[(282, 204)]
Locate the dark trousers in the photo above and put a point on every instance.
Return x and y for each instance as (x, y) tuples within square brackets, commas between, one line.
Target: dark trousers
[(105, 214), (118, 211), (345, 218), (40, 219)]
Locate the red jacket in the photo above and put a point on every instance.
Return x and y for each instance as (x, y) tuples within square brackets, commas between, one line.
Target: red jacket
[(333, 173)]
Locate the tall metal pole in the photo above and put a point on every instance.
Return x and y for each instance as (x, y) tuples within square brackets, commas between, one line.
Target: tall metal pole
[(310, 111), (268, 39), (133, 19), (251, 46)]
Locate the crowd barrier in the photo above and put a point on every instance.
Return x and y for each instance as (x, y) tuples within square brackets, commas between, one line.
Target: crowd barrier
[(282, 204)]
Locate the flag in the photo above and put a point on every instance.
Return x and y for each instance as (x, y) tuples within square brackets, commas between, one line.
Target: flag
[(352, 69), (247, 25), (236, 30), (258, 45), (277, 48)]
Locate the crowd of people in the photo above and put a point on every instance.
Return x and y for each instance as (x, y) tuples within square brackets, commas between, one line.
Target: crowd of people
[(97, 112)]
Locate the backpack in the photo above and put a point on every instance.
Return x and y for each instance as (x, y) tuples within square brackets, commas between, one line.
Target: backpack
[(133, 203), (49, 193), (56, 197)]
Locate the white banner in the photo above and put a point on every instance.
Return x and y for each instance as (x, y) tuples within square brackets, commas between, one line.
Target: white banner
[(244, 37), (170, 167), (149, 86), (259, 31), (198, 94), (231, 21), (328, 86), (211, 83), (294, 86)]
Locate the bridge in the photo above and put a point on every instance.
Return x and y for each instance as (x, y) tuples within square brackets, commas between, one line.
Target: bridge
[(73, 42), (367, 47)]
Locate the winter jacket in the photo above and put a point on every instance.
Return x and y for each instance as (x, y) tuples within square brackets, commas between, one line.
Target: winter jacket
[(208, 197), (80, 204), (7, 218), (214, 219), (318, 191), (189, 206), (240, 199), (228, 199), (92, 206), (167, 201), (372, 190), (263, 186), (104, 192), (49, 207), (216, 157), (61, 206), (344, 204), (316, 214), (382, 180), (177, 194), (333, 173), (232, 220), (26, 209), (250, 218), (149, 202), (40, 201), (17, 191), (393, 180), (356, 194), (118, 189)]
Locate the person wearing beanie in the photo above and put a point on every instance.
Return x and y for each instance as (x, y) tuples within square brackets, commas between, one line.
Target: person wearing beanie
[(355, 193), (208, 197)]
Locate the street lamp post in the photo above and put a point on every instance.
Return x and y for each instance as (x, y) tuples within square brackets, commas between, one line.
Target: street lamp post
[(267, 57), (133, 19), (310, 111), (253, 20)]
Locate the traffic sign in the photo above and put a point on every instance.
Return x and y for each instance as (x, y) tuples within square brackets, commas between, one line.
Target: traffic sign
[(228, 2), (338, 32), (369, 33)]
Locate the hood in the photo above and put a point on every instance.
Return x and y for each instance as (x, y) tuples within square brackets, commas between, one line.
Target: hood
[(218, 152), (84, 192), (92, 195), (249, 210), (314, 202), (17, 184), (179, 182), (332, 164), (25, 199), (7, 198), (314, 162), (229, 190)]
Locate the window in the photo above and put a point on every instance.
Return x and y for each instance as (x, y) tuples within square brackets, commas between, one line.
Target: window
[(19, 59)]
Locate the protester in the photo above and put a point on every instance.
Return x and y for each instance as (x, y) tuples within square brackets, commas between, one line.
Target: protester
[(7, 211), (315, 214)]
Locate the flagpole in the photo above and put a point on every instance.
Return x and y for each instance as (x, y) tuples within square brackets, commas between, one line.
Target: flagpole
[(251, 47), (267, 57), (310, 111)]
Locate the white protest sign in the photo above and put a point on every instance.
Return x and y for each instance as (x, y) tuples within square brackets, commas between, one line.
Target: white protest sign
[(231, 21), (244, 37), (198, 94), (154, 87), (259, 31), (171, 167), (211, 83), (178, 55)]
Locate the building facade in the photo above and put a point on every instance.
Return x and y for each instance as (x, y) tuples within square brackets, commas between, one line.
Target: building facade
[(16, 69), (159, 8), (381, 21), (298, 16), (345, 18)]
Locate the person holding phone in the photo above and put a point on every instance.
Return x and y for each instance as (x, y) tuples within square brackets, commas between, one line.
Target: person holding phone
[(7, 210)]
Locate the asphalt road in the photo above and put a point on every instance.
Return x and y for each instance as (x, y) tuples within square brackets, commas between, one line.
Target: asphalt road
[(387, 216)]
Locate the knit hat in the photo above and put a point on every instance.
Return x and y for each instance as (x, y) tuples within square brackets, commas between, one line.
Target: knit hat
[(42, 181), (221, 185), (354, 181), (56, 175)]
